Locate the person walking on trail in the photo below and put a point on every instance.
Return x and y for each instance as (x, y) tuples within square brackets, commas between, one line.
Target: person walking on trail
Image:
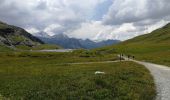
[(133, 57), (128, 57), (120, 57)]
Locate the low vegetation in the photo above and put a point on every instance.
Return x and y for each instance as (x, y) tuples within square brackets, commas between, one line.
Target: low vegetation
[(21, 48), (34, 80), (45, 46), (53, 58), (156, 53), (5, 49)]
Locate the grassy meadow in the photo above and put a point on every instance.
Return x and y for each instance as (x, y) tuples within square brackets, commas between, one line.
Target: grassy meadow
[(157, 53), (4, 49), (55, 57), (26, 80), (48, 76), (152, 52), (34, 75)]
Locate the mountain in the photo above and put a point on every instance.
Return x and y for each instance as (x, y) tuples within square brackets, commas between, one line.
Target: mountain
[(89, 44), (73, 43), (12, 36), (62, 40)]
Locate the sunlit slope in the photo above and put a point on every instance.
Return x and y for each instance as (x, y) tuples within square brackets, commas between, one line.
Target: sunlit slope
[(153, 47), (161, 35)]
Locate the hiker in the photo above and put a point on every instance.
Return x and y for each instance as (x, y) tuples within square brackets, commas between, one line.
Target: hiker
[(128, 57), (120, 57), (133, 57)]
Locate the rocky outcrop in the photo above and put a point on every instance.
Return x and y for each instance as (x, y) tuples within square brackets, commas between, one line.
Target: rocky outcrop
[(14, 36)]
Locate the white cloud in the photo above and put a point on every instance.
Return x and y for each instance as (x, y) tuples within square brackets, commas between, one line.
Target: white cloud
[(95, 30), (124, 19), (121, 32), (130, 11), (32, 30), (53, 29), (89, 30), (155, 26), (42, 13)]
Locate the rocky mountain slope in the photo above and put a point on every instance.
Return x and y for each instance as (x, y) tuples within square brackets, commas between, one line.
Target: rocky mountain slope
[(13, 36)]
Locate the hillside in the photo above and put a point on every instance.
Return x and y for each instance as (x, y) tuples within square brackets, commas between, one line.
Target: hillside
[(152, 47), (161, 35), (12, 36)]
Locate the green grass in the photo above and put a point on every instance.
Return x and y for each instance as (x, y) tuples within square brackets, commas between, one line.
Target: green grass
[(23, 47), (46, 46), (34, 80), (47, 76), (5, 49), (53, 58), (18, 38), (152, 52), (38, 47), (153, 47)]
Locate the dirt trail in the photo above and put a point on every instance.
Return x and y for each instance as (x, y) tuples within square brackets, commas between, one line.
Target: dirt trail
[(161, 76)]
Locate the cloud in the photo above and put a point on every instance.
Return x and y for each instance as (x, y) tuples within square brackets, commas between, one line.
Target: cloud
[(89, 30), (95, 30), (92, 19), (128, 11), (53, 29), (42, 13), (32, 30)]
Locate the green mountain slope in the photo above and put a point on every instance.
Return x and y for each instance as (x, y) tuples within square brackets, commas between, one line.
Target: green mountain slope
[(152, 47), (160, 35), (12, 36)]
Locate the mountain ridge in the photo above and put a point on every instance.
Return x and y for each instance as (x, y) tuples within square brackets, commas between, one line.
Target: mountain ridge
[(73, 43)]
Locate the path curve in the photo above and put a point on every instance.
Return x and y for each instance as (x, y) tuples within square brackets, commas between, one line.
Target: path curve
[(161, 76)]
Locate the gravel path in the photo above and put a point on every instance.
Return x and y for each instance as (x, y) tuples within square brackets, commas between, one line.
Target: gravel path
[(161, 76), (84, 63), (101, 62)]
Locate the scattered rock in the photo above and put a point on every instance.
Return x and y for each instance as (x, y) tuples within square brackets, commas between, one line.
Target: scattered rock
[(99, 72)]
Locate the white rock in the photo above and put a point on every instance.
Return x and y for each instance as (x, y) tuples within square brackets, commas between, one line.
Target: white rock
[(99, 72)]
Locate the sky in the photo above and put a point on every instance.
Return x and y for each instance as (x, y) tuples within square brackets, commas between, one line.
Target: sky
[(87, 19)]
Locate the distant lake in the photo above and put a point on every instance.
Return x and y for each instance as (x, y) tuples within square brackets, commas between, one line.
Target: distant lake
[(57, 50)]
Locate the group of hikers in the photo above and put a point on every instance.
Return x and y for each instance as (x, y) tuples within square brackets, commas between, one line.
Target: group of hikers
[(122, 56)]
